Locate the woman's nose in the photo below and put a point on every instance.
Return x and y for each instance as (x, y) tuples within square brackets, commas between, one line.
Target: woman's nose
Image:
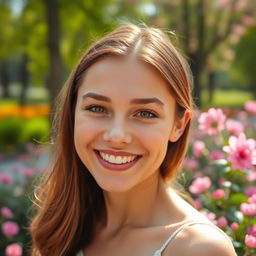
[(117, 133)]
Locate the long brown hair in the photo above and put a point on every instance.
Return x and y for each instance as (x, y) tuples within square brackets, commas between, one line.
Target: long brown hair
[(68, 201)]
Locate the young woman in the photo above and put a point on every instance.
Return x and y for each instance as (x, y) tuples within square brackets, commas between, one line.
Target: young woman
[(121, 135)]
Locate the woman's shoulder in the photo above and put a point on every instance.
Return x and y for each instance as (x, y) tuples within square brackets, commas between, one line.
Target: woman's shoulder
[(200, 239)]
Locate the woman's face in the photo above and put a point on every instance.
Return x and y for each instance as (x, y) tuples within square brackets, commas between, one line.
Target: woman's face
[(124, 118)]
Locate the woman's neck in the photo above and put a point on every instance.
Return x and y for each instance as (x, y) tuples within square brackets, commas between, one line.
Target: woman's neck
[(145, 205)]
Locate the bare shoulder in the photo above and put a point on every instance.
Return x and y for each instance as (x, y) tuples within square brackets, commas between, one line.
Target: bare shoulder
[(202, 240)]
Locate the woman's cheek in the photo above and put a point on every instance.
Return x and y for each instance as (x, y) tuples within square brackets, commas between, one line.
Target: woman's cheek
[(153, 136), (85, 130)]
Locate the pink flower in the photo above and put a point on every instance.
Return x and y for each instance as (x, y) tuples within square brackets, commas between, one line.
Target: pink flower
[(224, 2), (250, 191), (218, 193), (250, 241), (6, 178), (252, 199), (241, 5), (248, 20), (250, 238), (210, 216), (241, 152), (242, 116), (212, 122), (238, 29), (191, 164), (251, 176), (6, 212), (234, 226), (10, 228), (222, 222), (234, 127), (248, 209), (13, 250), (252, 230), (216, 154), (198, 148), (200, 185), (250, 106), (28, 172)]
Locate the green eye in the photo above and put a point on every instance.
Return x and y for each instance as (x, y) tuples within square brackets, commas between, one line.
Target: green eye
[(146, 114), (96, 109)]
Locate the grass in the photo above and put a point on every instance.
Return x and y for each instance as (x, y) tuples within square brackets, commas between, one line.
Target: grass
[(226, 98)]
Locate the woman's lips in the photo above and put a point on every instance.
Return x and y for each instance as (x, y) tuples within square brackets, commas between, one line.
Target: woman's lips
[(116, 161)]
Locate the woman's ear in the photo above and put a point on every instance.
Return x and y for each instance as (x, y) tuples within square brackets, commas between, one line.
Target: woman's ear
[(179, 126)]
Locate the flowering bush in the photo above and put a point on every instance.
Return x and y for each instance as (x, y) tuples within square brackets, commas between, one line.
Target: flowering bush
[(22, 124), (220, 172), (16, 188), (7, 111)]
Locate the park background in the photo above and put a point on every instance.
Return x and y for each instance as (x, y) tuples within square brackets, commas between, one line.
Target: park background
[(42, 40)]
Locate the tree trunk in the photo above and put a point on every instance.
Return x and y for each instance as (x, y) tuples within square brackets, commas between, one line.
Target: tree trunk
[(55, 77), (5, 80), (211, 85), (24, 75)]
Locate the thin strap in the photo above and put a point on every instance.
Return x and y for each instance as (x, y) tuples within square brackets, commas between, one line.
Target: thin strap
[(80, 253), (175, 233)]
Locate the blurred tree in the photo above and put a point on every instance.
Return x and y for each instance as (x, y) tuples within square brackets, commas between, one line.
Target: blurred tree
[(244, 62), (68, 36), (203, 25), (21, 41), (24, 24), (56, 73), (90, 20), (6, 36)]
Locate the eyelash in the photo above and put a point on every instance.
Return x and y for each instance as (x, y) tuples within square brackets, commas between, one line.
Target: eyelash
[(151, 114), (93, 108)]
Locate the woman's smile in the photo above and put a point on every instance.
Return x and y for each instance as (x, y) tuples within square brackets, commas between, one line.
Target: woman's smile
[(116, 161)]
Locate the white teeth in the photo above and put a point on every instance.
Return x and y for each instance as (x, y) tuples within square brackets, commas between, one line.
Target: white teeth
[(116, 159), (124, 160), (119, 160)]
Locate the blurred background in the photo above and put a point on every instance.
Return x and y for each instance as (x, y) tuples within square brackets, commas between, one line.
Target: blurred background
[(42, 40)]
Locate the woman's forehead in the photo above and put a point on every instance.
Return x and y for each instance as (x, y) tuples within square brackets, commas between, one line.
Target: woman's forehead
[(125, 74)]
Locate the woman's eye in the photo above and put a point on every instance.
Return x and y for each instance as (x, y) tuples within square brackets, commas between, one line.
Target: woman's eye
[(146, 114), (96, 109)]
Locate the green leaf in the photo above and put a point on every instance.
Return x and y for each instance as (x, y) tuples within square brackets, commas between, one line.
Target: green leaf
[(233, 173), (238, 198)]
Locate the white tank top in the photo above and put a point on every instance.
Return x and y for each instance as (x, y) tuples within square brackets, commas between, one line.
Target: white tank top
[(175, 233)]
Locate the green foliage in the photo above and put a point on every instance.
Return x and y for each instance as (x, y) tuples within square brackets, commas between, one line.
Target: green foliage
[(87, 24), (6, 30), (10, 131), (16, 131), (244, 63), (226, 98), (35, 130)]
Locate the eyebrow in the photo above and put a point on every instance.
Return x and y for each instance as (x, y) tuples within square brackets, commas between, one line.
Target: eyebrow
[(96, 97), (133, 101)]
